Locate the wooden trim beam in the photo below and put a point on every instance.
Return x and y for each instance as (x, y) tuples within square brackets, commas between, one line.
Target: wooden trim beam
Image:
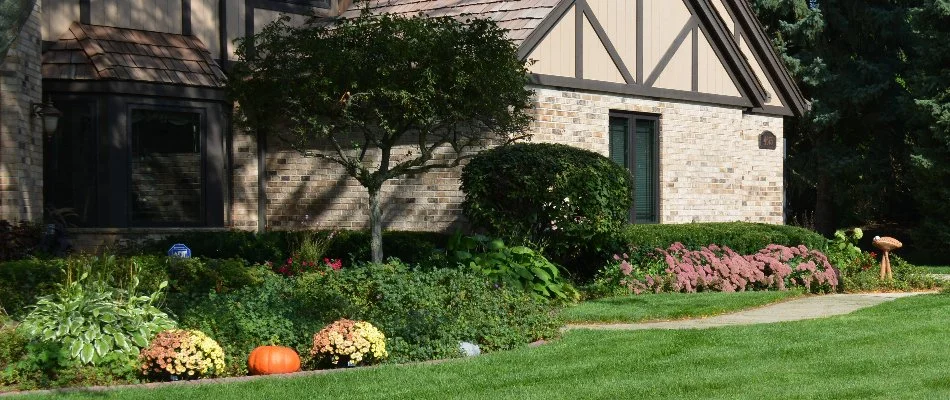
[(671, 51), (578, 40), (85, 12), (605, 41), (544, 28), (186, 17), (727, 50), (637, 90), (142, 89)]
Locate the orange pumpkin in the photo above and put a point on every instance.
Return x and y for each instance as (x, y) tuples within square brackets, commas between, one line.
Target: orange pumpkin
[(268, 360)]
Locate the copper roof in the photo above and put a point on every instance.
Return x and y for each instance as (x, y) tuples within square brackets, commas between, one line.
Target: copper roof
[(519, 17), (93, 52)]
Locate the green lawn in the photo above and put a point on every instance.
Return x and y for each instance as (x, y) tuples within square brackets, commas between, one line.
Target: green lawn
[(892, 351), (667, 306), (937, 269)]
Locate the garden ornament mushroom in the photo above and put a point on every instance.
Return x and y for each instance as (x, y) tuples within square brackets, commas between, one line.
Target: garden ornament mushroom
[(886, 244)]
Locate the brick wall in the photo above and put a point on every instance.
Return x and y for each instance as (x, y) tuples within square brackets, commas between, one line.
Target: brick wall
[(711, 169), (21, 136)]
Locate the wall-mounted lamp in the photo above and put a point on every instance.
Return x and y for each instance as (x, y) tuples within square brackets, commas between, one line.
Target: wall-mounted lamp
[(49, 115)]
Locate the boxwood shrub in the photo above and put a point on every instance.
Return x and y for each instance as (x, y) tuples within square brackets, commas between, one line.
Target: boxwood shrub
[(568, 200), (743, 237), (276, 246)]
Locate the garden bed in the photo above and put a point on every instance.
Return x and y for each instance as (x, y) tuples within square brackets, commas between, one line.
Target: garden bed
[(854, 356)]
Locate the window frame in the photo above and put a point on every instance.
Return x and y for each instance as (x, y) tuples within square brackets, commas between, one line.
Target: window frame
[(631, 159), (203, 141)]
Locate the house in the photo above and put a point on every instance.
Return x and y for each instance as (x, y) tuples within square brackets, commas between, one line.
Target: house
[(688, 94)]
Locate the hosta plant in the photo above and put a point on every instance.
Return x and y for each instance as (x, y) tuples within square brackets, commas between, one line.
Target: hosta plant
[(517, 266), (181, 354), (348, 343), (90, 321)]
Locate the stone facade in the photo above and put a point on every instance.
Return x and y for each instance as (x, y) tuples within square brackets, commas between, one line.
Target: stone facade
[(711, 169), (21, 134)]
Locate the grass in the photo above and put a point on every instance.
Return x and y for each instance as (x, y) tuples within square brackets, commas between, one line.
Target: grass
[(669, 306), (884, 352), (937, 269)]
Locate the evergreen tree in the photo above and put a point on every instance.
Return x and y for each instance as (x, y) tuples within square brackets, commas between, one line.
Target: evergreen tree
[(930, 82)]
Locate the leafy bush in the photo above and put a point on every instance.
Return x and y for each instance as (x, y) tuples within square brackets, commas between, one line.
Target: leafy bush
[(743, 237), (409, 247), (200, 276), (12, 349), (181, 354), (255, 248), (248, 317), (425, 314), (22, 281), (569, 201), (860, 270), (518, 267), (95, 323), (18, 241)]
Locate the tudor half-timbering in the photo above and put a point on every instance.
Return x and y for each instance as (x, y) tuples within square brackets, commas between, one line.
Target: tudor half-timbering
[(688, 94)]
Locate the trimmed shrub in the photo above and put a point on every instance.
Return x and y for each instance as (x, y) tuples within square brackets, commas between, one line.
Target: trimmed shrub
[(569, 201), (276, 246), (743, 237), (250, 246), (408, 247)]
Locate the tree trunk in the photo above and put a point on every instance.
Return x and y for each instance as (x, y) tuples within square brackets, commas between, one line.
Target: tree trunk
[(375, 226), (824, 207)]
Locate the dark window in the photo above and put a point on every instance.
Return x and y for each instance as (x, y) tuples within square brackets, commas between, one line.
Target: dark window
[(71, 163), (166, 168), (121, 162), (634, 144)]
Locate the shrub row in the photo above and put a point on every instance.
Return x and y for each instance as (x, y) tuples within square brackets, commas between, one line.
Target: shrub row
[(258, 248), (743, 237)]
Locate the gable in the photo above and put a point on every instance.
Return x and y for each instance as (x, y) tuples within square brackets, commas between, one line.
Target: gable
[(678, 49)]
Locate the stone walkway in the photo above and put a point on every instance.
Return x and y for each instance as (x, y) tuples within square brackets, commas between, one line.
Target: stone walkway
[(793, 310)]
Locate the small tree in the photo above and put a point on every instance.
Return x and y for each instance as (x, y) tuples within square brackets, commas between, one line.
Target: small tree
[(382, 95)]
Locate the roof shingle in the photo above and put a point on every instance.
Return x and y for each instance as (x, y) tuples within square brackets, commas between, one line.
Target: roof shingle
[(92, 52)]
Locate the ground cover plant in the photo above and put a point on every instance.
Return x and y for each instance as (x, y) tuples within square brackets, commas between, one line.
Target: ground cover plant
[(882, 352), (669, 306)]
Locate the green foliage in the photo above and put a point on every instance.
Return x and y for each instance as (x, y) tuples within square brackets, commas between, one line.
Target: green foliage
[(249, 317), (22, 281), (519, 267), (18, 241), (94, 322), (255, 248), (12, 350), (743, 237), (567, 200), (391, 93), (199, 276), (843, 251), (410, 247), (930, 158), (865, 277), (425, 314)]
